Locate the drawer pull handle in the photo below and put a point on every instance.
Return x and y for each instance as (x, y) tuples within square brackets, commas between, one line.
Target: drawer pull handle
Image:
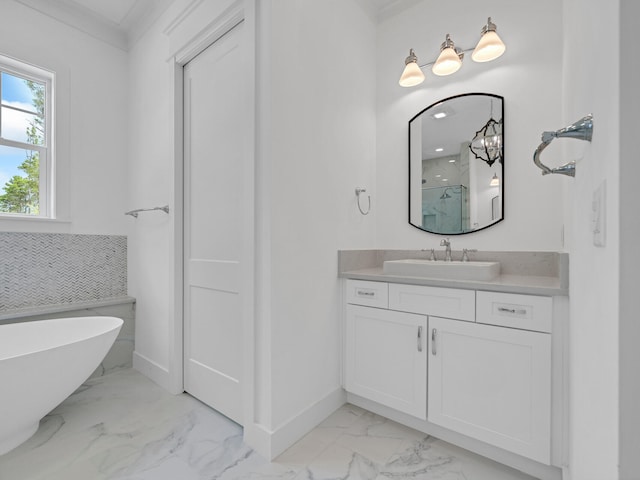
[(434, 334), (419, 339), (519, 311), (365, 293)]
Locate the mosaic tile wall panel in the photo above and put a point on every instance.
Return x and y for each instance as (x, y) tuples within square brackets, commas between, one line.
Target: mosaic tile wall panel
[(51, 269)]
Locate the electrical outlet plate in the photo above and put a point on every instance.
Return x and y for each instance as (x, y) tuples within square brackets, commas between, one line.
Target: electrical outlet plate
[(599, 212)]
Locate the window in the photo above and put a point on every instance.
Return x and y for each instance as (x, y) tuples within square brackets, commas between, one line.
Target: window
[(26, 140)]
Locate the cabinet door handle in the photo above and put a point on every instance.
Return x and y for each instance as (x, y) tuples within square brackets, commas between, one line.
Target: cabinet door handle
[(420, 339), (520, 311), (434, 334), (365, 293)]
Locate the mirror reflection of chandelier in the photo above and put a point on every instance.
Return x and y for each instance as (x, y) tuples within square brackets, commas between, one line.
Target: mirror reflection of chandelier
[(487, 142)]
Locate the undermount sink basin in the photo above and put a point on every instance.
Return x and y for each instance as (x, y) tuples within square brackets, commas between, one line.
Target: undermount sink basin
[(441, 269)]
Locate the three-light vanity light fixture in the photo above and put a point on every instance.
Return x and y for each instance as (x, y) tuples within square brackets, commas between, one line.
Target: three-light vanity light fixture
[(489, 47)]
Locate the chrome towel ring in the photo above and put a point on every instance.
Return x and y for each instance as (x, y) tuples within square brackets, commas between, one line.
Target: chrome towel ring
[(360, 190)]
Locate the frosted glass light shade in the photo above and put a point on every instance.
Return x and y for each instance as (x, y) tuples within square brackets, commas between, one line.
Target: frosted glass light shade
[(447, 63), (495, 181), (489, 47), (411, 76)]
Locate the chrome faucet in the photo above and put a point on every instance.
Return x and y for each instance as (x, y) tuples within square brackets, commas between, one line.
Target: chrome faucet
[(447, 251), (465, 253), (432, 253)]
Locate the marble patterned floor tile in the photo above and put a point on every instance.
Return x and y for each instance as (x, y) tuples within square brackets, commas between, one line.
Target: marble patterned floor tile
[(373, 425), (122, 426), (343, 418), (256, 468), (476, 467), (309, 447), (377, 449), (338, 462), (326, 433)]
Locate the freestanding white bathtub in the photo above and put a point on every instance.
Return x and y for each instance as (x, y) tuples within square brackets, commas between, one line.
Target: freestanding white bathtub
[(42, 363)]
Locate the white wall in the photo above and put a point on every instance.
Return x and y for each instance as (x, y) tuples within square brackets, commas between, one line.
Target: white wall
[(320, 147), (604, 280), (594, 289), (316, 144), (629, 253), (91, 117), (528, 75), (151, 176)]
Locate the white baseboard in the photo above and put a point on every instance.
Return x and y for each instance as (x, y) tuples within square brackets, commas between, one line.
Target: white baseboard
[(271, 443), (150, 369)]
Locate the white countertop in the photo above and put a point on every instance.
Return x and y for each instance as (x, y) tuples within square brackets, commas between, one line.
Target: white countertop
[(526, 284)]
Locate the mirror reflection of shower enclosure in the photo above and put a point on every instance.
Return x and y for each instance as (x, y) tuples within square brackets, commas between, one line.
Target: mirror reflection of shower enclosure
[(451, 190), (445, 209)]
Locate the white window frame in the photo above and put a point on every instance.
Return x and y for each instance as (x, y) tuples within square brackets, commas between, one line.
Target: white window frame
[(47, 172)]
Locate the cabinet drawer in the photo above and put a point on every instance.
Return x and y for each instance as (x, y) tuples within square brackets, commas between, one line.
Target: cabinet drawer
[(526, 312), (371, 294), (441, 302)]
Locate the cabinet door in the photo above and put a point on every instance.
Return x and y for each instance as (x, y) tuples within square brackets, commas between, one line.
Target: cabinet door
[(493, 384), (386, 358)]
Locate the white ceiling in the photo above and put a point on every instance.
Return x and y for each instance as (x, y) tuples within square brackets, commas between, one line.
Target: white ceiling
[(113, 10), (122, 22), (118, 22), (117, 10), (388, 8), (379, 4)]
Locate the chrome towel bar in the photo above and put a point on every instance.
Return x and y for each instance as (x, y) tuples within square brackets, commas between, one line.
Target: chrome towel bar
[(134, 213), (580, 130)]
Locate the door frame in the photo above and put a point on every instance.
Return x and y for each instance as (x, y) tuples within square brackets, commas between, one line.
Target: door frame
[(239, 11)]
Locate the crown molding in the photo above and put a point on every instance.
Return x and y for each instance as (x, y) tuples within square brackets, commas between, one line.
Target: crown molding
[(141, 17), (122, 36), (67, 12)]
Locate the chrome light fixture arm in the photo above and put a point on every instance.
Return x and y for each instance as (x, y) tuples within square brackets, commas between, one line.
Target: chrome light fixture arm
[(580, 130)]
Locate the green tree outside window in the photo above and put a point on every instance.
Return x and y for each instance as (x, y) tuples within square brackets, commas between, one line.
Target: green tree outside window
[(22, 193)]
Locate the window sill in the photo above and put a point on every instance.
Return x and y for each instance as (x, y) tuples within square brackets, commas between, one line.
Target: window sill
[(34, 224), (17, 218)]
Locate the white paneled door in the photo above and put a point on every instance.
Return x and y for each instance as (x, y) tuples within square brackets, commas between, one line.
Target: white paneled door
[(215, 199)]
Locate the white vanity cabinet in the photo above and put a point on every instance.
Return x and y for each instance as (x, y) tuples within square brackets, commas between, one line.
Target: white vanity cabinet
[(493, 384), (483, 357), (386, 350), (386, 358)]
